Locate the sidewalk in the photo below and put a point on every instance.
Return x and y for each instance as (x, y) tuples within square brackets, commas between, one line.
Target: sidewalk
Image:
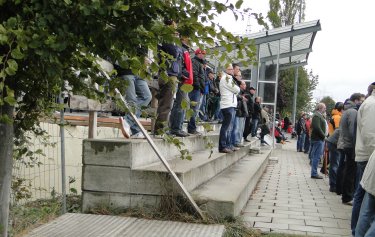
[(287, 200)]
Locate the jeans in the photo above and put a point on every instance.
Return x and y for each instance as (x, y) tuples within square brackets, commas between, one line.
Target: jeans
[(307, 144), (178, 113), (316, 152), (137, 94), (238, 128), (226, 128), (366, 226), (194, 96), (301, 141), (334, 158), (349, 175), (254, 127), (203, 108), (358, 195)]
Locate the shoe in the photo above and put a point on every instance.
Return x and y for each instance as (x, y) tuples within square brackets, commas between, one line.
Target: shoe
[(226, 150), (125, 128), (239, 145), (332, 189), (350, 203), (180, 134), (195, 133), (247, 140), (317, 177), (138, 135), (235, 148)]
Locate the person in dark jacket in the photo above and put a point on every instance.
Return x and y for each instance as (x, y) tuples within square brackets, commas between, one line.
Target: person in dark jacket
[(167, 87), (255, 117), (198, 85), (249, 95), (348, 127), (318, 134), (301, 132)]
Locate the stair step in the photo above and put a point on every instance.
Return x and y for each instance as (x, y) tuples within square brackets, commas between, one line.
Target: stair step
[(227, 193), (201, 168)]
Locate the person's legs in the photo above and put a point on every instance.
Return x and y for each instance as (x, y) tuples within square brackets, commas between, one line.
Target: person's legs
[(349, 176), (177, 113), (235, 130), (225, 126), (247, 130), (340, 172), (307, 144), (194, 97), (365, 225), (358, 195), (254, 127), (241, 130), (333, 165), (166, 89), (230, 128), (316, 153)]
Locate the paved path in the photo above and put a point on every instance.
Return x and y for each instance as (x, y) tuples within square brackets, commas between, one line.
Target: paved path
[(287, 200)]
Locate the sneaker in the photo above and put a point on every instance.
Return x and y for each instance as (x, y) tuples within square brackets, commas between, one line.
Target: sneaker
[(317, 177), (125, 128), (180, 134), (138, 135), (226, 150), (350, 203), (195, 133), (235, 148)]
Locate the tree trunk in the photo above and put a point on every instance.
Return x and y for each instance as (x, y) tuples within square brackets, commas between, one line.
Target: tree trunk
[(6, 162)]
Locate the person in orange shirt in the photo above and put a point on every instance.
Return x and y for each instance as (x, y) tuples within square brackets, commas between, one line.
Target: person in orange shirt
[(334, 121)]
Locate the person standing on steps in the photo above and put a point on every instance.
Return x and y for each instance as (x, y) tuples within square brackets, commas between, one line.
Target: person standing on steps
[(228, 103)]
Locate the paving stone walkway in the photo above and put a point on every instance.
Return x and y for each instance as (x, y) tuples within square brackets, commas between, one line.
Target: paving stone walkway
[(287, 200)]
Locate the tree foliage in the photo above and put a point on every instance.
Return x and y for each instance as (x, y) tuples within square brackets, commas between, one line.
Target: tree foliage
[(282, 13), (44, 43), (330, 104)]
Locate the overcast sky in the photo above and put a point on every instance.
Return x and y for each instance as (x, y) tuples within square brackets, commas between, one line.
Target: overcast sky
[(342, 50)]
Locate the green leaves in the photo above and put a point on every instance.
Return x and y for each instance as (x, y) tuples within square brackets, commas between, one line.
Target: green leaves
[(238, 4), (12, 67), (187, 88)]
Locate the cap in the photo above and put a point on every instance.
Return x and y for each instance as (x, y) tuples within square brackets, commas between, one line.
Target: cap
[(252, 88), (198, 51), (209, 70)]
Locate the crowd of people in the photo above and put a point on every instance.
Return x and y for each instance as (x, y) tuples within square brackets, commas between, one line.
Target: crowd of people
[(224, 98), (348, 138)]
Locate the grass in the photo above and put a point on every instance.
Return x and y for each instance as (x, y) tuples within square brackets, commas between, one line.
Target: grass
[(33, 214)]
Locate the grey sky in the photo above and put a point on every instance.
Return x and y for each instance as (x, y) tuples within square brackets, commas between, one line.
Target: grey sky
[(342, 49)]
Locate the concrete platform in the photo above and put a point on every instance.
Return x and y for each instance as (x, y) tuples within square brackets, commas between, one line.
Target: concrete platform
[(86, 225), (227, 193), (287, 200)]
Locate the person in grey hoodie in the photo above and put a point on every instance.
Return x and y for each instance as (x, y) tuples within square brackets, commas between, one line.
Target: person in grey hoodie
[(347, 136), (365, 145)]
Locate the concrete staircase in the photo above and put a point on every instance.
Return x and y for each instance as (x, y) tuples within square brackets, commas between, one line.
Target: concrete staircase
[(123, 173)]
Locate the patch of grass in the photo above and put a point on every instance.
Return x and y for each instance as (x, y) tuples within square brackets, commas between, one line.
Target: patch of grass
[(33, 214)]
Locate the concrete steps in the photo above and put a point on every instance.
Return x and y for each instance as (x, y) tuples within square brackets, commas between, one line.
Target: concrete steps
[(228, 193), (127, 173)]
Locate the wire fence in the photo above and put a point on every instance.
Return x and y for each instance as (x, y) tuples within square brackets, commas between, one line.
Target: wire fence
[(43, 181)]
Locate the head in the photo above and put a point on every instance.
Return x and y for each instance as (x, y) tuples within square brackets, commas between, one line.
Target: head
[(370, 89), (339, 106), (243, 85), (238, 76), (210, 74), (236, 69), (229, 69), (321, 107), (184, 40), (200, 53), (252, 90), (357, 98), (258, 100)]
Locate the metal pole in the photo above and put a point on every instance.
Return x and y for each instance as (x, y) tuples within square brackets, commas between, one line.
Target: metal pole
[(276, 86), (62, 144), (295, 97), (161, 157)]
